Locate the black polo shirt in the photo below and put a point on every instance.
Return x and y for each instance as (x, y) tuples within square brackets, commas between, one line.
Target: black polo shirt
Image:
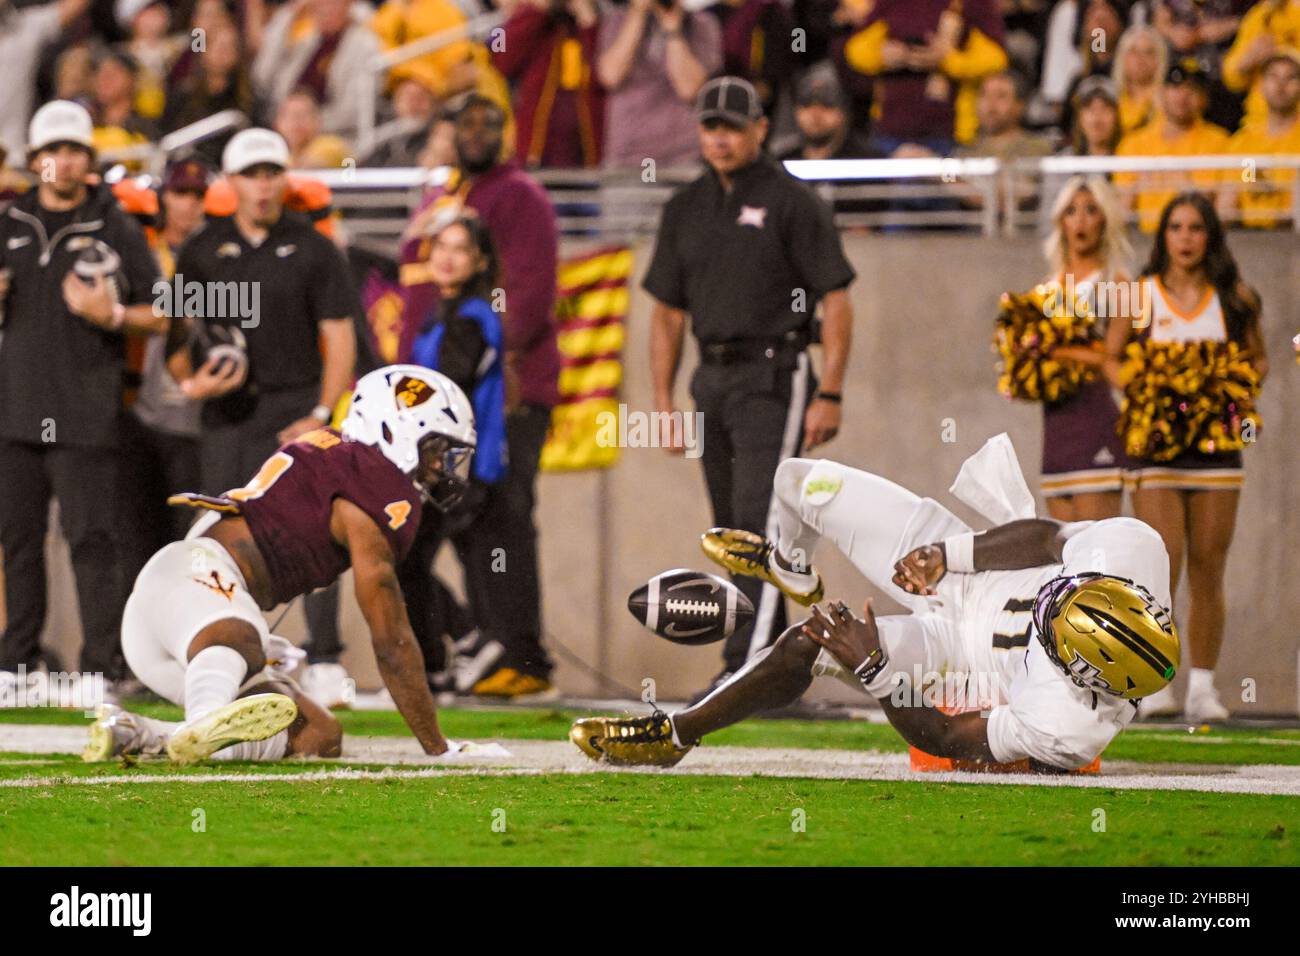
[(301, 280), (735, 260)]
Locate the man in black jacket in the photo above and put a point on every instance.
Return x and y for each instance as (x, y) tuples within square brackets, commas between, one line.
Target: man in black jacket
[(76, 276)]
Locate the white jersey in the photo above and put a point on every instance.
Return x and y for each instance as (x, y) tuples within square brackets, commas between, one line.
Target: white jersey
[(1169, 323), (1045, 715)]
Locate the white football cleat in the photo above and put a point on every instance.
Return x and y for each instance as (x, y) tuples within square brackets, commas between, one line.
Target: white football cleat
[(248, 718), (1160, 704), (116, 732), (1204, 707), (329, 685)]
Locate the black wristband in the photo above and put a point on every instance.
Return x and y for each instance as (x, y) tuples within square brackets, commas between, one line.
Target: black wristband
[(836, 397), (866, 672)]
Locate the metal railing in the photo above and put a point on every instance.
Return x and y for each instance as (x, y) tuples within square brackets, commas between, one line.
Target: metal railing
[(975, 194)]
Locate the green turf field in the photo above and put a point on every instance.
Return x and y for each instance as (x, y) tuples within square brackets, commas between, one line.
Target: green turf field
[(528, 819)]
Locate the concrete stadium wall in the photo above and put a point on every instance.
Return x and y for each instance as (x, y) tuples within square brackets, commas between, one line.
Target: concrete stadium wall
[(924, 307)]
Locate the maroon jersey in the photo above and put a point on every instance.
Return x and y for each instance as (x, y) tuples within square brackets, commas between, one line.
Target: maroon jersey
[(287, 506)]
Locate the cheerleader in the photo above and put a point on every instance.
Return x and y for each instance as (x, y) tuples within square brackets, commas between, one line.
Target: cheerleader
[(1083, 456), (1192, 292)]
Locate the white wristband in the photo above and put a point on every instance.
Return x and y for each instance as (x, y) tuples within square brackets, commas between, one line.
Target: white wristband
[(959, 553)]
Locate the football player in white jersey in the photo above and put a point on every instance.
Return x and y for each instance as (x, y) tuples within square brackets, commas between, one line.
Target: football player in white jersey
[(1043, 635)]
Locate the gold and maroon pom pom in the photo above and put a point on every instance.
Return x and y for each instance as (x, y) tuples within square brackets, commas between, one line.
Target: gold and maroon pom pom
[(1030, 327), (1187, 396)]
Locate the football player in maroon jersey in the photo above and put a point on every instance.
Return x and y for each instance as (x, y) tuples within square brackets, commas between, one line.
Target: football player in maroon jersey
[(193, 630)]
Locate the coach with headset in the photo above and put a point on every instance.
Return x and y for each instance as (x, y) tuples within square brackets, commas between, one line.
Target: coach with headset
[(748, 251)]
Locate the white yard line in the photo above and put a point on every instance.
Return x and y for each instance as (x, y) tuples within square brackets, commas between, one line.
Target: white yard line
[(534, 757)]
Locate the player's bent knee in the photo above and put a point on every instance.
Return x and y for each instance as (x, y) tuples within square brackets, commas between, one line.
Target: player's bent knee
[(238, 635), (790, 474), (794, 651)]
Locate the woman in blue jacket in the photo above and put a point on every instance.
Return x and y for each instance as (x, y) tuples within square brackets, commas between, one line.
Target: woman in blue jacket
[(462, 338)]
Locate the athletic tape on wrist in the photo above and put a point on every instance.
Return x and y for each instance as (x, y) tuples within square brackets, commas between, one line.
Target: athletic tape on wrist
[(959, 553)]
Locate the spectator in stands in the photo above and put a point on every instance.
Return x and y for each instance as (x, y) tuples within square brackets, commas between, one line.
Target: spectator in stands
[(1179, 130), (1001, 112), (1140, 66), (220, 82), (828, 25), (1204, 29), (208, 17), (74, 74), (821, 114), (400, 141), (756, 45), (1096, 132), (1101, 27), (1268, 25), (24, 34), (505, 599), (160, 450), (1082, 39), (1026, 35), (440, 146), (298, 120), (653, 58), (148, 23), (61, 372), (117, 124), (448, 70), (331, 59), (926, 55), (548, 53), (1270, 201)]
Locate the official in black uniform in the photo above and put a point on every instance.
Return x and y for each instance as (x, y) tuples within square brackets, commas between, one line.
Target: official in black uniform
[(62, 369), (748, 251)]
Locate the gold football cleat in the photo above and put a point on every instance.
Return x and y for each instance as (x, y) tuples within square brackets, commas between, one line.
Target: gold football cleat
[(248, 718), (743, 552), (628, 741)]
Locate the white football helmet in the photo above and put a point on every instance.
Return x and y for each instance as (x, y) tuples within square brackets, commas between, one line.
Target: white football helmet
[(398, 408)]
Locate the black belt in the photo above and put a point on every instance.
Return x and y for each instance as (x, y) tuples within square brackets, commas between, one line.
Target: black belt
[(756, 349)]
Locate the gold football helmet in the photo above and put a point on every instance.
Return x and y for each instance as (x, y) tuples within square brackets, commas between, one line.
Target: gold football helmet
[(1107, 634)]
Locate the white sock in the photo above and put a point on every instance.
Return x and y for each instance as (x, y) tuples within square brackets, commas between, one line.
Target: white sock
[(1200, 681), (212, 680), (677, 741), (795, 580), (272, 748)]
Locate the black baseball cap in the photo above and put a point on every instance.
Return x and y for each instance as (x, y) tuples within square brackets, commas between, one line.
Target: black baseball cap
[(1188, 70), (730, 99), (821, 86)]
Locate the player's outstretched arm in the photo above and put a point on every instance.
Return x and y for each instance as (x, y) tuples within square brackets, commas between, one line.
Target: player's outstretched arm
[(956, 736), (380, 596)]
